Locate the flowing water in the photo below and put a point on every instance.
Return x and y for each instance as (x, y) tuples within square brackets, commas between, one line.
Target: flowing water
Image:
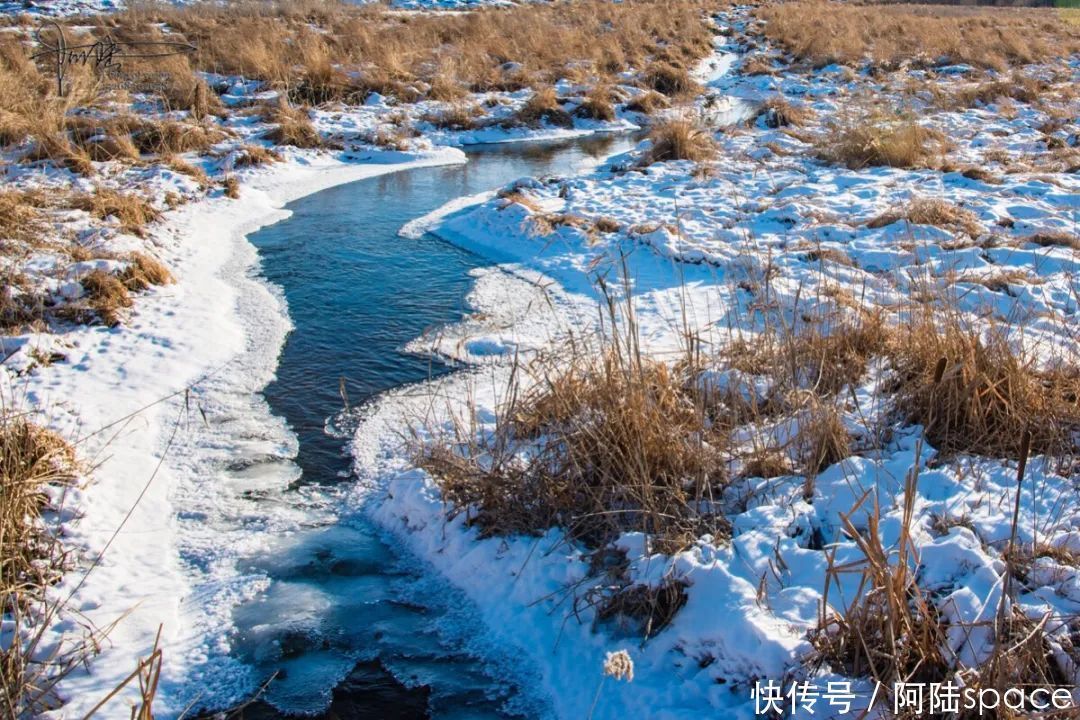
[(347, 618)]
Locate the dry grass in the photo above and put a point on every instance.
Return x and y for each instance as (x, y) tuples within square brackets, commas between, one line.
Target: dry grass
[(669, 80), (890, 630), (887, 35), (456, 116), (106, 296), (679, 139), (597, 105), (617, 435), (929, 211), (31, 459), (648, 103), (183, 167), (1055, 239), (143, 272), (613, 442), (336, 51), (974, 393), (543, 107), (231, 187), (20, 214), (255, 156), (133, 212), (294, 126), (891, 141), (20, 305), (778, 112), (893, 632)]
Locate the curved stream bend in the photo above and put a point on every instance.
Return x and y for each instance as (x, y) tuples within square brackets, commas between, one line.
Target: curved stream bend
[(348, 625)]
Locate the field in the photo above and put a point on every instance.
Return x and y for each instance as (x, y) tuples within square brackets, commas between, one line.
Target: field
[(802, 402)]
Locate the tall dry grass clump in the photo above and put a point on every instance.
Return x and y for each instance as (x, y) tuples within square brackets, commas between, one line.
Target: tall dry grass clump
[(543, 107), (892, 630), (974, 392), (881, 140), (31, 459), (600, 442), (679, 139), (144, 271), (133, 212), (888, 35), (293, 126)]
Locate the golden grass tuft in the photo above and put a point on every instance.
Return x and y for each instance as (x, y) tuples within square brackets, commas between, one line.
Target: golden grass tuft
[(648, 103), (668, 80), (608, 430), (679, 139), (231, 187), (456, 116), (133, 212), (31, 458), (293, 126), (597, 105), (778, 112), (255, 156), (143, 272), (1054, 239), (20, 214), (894, 142), (931, 211), (543, 107), (975, 393), (106, 296)]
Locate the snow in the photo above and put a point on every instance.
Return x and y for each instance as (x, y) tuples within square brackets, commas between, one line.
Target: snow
[(210, 341), (692, 239)]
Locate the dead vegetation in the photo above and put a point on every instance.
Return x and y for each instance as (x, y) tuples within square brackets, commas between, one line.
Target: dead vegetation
[(888, 35), (132, 212), (293, 126), (544, 107), (932, 211), (893, 631), (881, 140), (618, 434), (679, 139), (32, 459), (143, 272), (778, 112), (362, 49), (974, 392)]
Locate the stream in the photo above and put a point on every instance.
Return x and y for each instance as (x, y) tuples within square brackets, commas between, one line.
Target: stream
[(347, 619)]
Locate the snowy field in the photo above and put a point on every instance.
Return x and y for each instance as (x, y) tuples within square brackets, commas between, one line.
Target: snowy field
[(765, 231)]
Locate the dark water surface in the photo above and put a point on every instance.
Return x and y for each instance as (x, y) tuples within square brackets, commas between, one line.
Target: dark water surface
[(343, 602)]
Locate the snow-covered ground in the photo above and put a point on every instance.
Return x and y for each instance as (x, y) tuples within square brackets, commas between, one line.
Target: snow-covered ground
[(707, 241), (702, 240)]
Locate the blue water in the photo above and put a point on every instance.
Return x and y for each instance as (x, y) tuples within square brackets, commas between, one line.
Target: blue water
[(343, 602)]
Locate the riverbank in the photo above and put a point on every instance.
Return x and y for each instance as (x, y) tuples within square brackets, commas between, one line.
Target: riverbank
[(780, 221), (785, 281)]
